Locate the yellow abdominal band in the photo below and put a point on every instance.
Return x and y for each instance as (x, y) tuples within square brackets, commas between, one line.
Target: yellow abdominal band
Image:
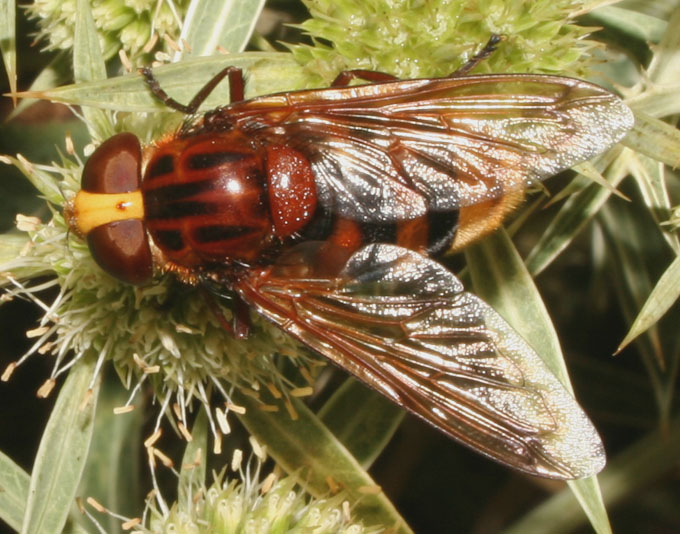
[(94, 209)]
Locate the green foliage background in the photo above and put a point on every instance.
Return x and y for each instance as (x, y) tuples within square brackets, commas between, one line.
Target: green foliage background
[(606, 268)]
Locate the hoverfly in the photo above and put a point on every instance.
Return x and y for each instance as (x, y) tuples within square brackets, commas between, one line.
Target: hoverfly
[(323, 209)]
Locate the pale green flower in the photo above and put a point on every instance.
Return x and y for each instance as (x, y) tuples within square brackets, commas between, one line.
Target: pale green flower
[(250, 506), (124, 24), (428, 39)]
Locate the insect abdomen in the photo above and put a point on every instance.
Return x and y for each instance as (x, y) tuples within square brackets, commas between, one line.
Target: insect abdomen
[(433, 233), (479, 220)]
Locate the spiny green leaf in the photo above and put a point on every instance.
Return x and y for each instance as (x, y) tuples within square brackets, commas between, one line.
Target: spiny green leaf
[(662, 297), (213, 24), (8, 42), (265, 72), (88, 65), (630, 22), (111, 474), (626, 475), (361, 419), (195, 459), (654, 138), (651, 179), (576, 212), (14, 482), (62, 452), (500, 277)]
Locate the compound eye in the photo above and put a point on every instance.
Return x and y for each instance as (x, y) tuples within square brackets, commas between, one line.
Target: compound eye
[(111, 218), (121, 249), (115, 167)]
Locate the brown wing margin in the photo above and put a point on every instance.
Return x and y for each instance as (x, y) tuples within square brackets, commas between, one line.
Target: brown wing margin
[(402, 324)]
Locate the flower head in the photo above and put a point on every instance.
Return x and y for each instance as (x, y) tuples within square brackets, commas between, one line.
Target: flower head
[(270, 505), (123, 24), (430, 39)]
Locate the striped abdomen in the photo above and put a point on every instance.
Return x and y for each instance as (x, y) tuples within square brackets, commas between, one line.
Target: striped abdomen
[(436, 233), (433, 233)]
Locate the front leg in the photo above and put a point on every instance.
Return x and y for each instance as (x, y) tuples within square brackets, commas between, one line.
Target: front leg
[(236, 89)]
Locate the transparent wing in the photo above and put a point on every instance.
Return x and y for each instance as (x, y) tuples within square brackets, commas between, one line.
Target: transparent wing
[(402, 324), (391, 151)]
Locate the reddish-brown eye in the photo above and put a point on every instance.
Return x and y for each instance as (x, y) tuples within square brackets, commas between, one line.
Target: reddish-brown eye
[(115, 167), (121, 249)]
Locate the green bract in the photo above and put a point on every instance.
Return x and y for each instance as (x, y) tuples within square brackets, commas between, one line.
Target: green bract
[(429, 39), (256, 507), (123, 24)]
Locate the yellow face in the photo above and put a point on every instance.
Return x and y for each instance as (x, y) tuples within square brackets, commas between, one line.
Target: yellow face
[(89, 210)]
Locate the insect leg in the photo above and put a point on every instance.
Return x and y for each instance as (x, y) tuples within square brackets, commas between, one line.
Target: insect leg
[(488, 49), (236, 89), (240, 324), (374, 76)]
